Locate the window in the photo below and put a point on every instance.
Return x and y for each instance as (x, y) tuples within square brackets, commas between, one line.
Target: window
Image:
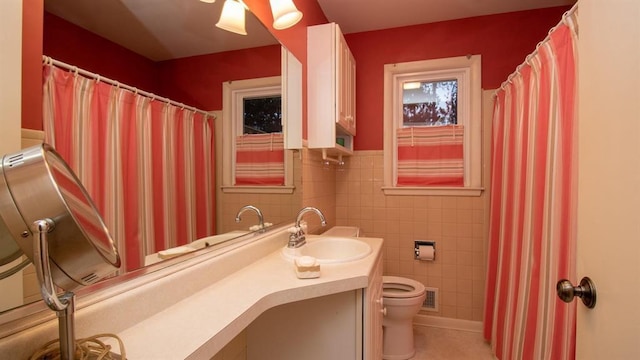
[(262, 114), (254, 159), (430, 103), (432, 117)]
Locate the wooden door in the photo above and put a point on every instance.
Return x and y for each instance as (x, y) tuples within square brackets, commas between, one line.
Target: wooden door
[(609, 178)]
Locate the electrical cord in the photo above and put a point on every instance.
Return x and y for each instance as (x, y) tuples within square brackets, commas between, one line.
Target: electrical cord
[(87, 348)]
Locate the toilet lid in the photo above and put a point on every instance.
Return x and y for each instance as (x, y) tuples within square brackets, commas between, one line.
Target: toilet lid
[(400, 287)]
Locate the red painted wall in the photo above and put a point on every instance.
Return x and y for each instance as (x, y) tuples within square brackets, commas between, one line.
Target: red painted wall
[(76, 46), (503, 41), (197, 80)]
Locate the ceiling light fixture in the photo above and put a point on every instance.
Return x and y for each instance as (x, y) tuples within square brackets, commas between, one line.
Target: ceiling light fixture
[(411, 85), (285, 14), (232, 17)]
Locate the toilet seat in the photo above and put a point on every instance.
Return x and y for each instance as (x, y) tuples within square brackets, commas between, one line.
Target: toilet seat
[(399, 287)]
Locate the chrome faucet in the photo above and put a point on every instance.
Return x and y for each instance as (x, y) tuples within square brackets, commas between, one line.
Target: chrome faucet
[(257, 211), (297, 237)]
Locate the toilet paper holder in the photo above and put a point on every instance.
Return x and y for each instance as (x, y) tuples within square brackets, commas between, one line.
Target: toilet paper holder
[(418, 243)]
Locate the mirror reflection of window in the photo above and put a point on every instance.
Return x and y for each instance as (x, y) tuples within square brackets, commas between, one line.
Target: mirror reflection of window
[(260, 147), (254, 159), (259, 143)]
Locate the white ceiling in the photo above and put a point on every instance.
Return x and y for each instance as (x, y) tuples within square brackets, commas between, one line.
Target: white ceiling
[(366, 15), (160, 29), (167, 29)]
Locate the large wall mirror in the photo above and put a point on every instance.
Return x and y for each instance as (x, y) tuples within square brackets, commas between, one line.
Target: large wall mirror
[(163, 31)]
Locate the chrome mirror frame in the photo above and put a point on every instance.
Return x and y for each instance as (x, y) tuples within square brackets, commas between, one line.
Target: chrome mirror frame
[(54, 221)]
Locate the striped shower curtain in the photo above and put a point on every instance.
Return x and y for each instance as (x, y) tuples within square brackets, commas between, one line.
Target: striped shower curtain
[(532, 230), (148, 165)]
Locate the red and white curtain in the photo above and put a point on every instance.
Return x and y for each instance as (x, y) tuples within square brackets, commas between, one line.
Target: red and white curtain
[(147, 165), (260, 159), (430, 156), (532, 230)]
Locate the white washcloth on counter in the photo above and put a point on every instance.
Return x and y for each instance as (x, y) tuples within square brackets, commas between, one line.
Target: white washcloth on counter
[(173, 252)]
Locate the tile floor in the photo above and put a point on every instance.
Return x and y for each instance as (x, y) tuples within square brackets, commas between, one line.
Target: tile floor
[(434, 343)]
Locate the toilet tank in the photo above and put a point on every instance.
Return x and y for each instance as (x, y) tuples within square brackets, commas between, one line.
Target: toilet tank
[(345, 231)]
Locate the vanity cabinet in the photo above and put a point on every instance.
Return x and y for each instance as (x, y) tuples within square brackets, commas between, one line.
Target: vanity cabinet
[(345, 325), (321, 328), (331, 90)]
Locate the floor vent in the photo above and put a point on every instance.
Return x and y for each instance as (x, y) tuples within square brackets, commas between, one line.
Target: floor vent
[(431, 301)]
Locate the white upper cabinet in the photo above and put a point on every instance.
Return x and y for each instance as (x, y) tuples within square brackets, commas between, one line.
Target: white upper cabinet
[(346, 86), (331, 90)]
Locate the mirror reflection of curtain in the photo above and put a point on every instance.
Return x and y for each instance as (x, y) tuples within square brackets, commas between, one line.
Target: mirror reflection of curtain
[(148, 165), (532, 227)]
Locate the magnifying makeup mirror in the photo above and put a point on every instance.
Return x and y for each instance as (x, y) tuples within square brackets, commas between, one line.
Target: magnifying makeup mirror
[(53, 221), (9, 251)]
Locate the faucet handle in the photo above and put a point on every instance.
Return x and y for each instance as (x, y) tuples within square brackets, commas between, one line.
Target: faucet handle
[(293, 230)]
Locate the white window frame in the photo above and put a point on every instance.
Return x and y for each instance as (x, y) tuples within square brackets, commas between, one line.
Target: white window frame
[(465, 69), (233, 95)]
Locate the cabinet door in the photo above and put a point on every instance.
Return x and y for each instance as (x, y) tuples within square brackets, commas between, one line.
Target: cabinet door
[(351, 98), (319, 328), (373, 320), (345, 80)]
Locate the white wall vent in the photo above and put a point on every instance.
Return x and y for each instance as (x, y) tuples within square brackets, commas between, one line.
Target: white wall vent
[(431, 301)]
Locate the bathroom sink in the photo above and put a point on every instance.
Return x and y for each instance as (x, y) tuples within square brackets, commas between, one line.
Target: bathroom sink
[(330, 249)]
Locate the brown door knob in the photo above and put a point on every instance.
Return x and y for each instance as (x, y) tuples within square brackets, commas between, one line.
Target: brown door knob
[(585, 291)]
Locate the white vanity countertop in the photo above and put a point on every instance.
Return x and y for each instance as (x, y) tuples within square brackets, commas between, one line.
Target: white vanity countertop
[(192, 309), (201, 324)]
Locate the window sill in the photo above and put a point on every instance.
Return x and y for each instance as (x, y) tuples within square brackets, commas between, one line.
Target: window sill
[(434, 191), (287, 189)]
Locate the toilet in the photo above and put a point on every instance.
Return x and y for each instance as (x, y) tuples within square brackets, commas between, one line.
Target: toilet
[(402, 299)]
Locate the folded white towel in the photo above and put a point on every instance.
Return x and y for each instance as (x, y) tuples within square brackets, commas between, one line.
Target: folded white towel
[(173, 252)]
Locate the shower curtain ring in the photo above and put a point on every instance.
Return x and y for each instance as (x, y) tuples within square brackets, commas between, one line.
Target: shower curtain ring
[(527, 60)]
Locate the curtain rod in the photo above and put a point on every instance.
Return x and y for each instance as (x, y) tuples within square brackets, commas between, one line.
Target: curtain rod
[(564, 20), (49, 60)]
